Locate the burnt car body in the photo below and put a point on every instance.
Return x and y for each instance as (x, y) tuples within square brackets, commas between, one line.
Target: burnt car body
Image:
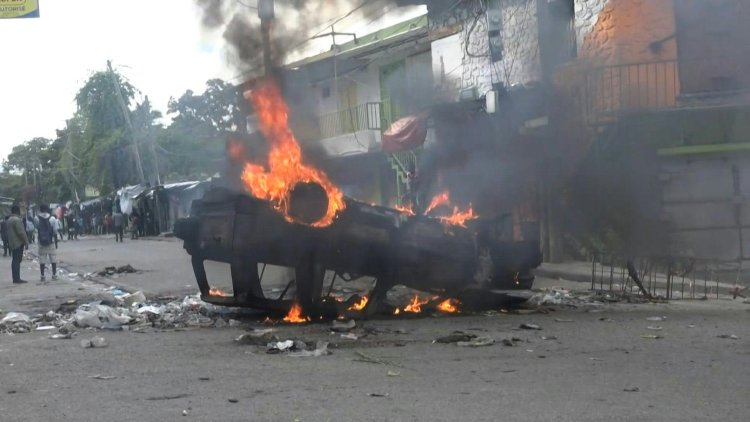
[(364, 240)]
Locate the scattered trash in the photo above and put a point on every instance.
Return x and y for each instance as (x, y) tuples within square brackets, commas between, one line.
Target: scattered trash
[(234, 323), (321, 349), (477, 342), (379, 394), (185, 412), (257, 337), (349, 336), (596, 359), (563, 320), (108, 271), (151, 309), (393, 374), (102, 377), (67, 336), (508, 342), (654, 328), (651, 336), (16, 323), (656, 318), (729, 336), (45, 328), (605, 319), (455, 337), (549, 337), (94, 343), (232, 400), (341, 326), (526, 326), (280, 346), (632, 390), (136, 298)]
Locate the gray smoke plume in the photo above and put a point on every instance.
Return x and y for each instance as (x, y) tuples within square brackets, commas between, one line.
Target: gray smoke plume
[(296, 21)]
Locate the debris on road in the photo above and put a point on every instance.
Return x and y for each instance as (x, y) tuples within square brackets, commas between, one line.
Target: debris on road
[(94, 343), (656, 318), (651, 336), (67, 336), (232, 400), (321, 349), (477, 342), (137, 298), (107, 271), (632, 390), (455, 337), (563, 320), (526, 326), (393, 374), (728, 336), (16, 323), (654, 327), (379, 394), (349, 336), (343, 326), (102, 377)]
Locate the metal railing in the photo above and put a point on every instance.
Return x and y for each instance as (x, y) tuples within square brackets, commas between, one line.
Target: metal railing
[(665, 277), (610, 90), (365, 116)]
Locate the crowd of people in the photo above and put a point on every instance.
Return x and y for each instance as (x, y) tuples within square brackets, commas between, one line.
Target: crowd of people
[(46, 229)]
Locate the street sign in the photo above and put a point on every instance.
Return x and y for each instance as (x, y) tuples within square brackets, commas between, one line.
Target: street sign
[(12, 9)]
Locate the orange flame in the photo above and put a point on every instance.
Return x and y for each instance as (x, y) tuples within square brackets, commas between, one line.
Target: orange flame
[(442, 198), (459, 218), (295, 315), (286, 168), (397, 311), (449, 306), (415, 306), (359, 305), (406, 209), (218, 292)]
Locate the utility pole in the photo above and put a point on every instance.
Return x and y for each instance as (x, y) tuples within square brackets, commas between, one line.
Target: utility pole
[(126, 114), (266, 15)]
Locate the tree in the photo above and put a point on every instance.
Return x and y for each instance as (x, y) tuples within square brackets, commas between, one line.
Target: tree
[(193, 144), (105, 151)]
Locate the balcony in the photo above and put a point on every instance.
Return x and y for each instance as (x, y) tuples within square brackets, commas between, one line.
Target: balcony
[(613, 90), (353, 130), (362, 117)]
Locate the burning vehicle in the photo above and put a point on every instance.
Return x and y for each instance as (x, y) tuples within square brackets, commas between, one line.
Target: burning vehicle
[(292, 215)]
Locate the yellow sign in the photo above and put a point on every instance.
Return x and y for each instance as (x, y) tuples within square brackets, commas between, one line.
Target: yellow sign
[(10, 9)]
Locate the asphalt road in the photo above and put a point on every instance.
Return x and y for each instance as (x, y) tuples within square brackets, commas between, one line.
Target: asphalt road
[(568, 371)]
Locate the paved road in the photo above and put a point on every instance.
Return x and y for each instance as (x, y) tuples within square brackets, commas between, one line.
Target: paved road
[(568, 371)]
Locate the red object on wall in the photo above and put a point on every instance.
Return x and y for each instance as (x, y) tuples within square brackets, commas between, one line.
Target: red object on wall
[(404, 134)]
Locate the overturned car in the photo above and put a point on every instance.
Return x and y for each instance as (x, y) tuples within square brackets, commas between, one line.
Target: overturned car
[(392, 246)]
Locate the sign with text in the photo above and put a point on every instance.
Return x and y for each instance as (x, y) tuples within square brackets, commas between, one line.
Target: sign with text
[(11, 9)]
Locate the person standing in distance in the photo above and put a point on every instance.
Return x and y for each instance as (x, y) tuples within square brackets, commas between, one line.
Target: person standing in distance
[(17, 241), (118, 219), (46, 226)]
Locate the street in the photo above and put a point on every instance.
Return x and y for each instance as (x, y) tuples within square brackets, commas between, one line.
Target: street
[(587, 363)]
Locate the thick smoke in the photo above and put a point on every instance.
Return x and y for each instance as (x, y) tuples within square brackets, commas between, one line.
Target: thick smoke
[(296, 22)]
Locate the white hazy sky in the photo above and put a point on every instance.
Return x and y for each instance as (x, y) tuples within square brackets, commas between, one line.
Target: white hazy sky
[(159, 45)]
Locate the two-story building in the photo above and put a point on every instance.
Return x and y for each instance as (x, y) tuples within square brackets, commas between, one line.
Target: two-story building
[(655, 106)]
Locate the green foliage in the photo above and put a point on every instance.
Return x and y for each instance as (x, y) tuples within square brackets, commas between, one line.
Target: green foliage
[(95, 148)]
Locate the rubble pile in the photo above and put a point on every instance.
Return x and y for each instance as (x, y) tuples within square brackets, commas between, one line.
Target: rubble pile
[(115, 309), (565, 297)]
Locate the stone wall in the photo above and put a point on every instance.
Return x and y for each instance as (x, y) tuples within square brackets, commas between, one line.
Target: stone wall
[(471, 56)]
